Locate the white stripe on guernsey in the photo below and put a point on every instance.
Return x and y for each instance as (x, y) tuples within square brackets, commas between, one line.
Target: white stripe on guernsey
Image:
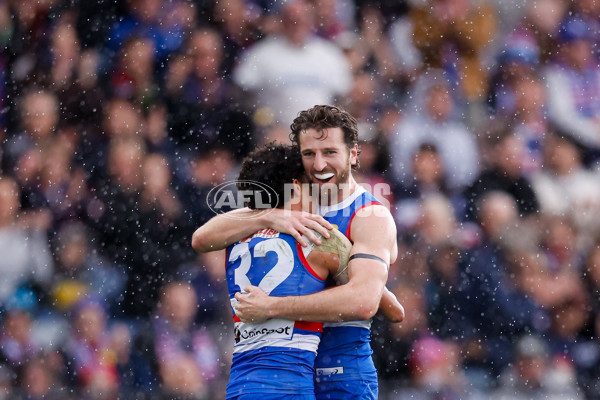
[(323, 210), (299, 341), (356, 324)]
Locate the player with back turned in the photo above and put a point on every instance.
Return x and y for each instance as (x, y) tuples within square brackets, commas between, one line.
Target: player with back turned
[(275, 358)]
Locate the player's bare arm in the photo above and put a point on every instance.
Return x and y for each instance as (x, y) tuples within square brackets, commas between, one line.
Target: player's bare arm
[(225, 229), (390, 307), (373, 234)]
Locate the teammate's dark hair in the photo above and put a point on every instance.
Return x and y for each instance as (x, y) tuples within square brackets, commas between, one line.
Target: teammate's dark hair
[(271, 167), (320, 118)]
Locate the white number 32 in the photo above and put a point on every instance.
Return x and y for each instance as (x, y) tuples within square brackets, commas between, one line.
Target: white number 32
[(279, 273)]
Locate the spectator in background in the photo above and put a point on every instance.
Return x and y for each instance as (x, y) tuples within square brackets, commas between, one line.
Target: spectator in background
[(332, 17), (118, 198), (501, 309), (564, 262), (565, 187), (158, 196), (26, 257), (82, 99), (201, 102), (429, 179), (453, 35), (435, 368), (591, 274), (41, 380), (506, 152), (30, 27), (518, 58), (239, 22), (187, 357), (213, 165), (587, 354), (38, 121), (430, 224), (542, 21), (81, 271), (293, 70), (165, 23), (432, 119), (63, 187), (17, 345), (95, 350), (445, 298), (531, 122), (64, 55), (534, 376), (573, 85), (392, 346), (376, 51), (207, 277), (589, 11), (133, 77), (558, 242), (121, 120)]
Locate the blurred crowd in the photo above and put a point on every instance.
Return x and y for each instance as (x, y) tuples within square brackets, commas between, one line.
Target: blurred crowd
[(118, 117)]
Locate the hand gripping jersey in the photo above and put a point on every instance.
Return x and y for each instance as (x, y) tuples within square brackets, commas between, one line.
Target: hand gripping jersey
[(276, 356), (344, 356)]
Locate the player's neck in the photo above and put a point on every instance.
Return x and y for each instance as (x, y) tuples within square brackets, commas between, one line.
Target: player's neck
[(346, 190)]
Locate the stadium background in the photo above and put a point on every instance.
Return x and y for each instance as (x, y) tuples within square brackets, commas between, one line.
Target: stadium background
[(118, 117)]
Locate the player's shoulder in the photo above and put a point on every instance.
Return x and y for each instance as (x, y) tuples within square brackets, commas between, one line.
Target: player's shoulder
[(373, 221), (374, 210)]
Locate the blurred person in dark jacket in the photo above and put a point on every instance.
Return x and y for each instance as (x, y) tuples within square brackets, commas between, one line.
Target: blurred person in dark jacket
[(200, 99), (505, 173), (497, 309)]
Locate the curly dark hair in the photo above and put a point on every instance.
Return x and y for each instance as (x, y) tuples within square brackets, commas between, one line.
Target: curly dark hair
[(266, 170), (321, 117)]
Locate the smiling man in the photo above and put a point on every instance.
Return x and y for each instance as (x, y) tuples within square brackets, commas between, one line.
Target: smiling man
[(327, 138)]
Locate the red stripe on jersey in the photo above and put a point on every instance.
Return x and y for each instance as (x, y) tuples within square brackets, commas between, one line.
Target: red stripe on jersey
[(305, 263), (309, 326), (354, 215), (227, 256), (236, 318)]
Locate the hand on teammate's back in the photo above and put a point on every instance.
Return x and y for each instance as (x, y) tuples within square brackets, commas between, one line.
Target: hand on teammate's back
[(299, 224), (253, 304)]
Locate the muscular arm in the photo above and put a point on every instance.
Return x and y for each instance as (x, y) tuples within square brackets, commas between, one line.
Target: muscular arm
[(225, 229), (356, 300)]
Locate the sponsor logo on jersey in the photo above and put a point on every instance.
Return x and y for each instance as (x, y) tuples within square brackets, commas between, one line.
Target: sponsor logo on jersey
[(273, 329), (330, 371)]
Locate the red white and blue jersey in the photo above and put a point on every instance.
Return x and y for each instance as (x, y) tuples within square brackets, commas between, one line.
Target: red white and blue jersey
[(276, 356), (345, 349)]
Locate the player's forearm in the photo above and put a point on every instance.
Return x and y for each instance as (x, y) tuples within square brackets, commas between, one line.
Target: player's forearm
[(342, 303), (225, 229), (390, 307)]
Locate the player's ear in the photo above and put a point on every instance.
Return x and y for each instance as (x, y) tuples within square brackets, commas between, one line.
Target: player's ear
[(353, 154), (297, 187)]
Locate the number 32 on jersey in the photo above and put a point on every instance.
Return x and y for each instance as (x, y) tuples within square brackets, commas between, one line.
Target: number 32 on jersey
[(279, 273)]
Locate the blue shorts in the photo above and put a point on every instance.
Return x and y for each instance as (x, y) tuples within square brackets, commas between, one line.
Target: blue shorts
[(342, 390), (271, 396)]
